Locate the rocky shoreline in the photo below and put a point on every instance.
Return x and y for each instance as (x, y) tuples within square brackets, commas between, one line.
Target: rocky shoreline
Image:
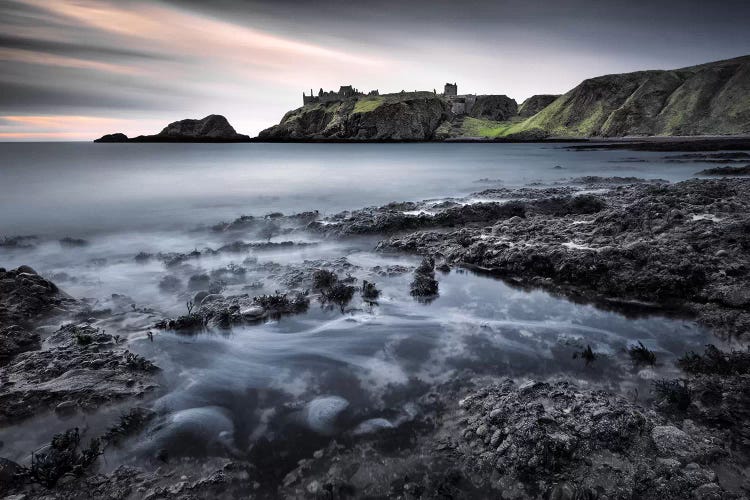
[(621, 243)]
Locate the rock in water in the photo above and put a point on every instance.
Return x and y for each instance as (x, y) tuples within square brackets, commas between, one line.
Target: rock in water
[(213, 128), (116, 137), (191, 432), (371, 426), (321, 414)]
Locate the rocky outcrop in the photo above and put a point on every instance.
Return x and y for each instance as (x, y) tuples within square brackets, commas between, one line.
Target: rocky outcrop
[(642, 244), (535, 104), (411, 116), (726, 171), (14, 340), (80, 369), (494, 107), (213, 128), (25, 296), (530, 440), (116, 137)]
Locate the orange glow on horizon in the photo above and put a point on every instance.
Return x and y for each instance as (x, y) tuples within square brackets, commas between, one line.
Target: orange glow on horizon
[(76, 127)]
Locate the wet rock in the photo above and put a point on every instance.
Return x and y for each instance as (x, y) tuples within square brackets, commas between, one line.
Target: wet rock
[(671, 442), (25, 296), (143, 257), (223, 312), (369, 291), (73, 372), (211, 297), (371, 426), (726, 171), (14, 340), (18, 242), (321, 414), (190, 432), (69, 242), (9, 475), (424, 284), (641, 244)]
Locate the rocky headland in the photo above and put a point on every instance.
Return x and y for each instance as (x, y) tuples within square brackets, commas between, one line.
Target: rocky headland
[(213, 128), (708, 99)]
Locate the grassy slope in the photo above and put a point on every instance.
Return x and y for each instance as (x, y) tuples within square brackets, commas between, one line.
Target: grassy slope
[(712, 98), (367, 104)]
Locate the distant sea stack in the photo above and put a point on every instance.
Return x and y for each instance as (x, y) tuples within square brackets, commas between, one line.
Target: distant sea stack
[(709, 99), (213, 128)]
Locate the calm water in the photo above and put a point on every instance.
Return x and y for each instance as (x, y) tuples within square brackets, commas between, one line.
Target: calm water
[(80, 188), (126, 198)]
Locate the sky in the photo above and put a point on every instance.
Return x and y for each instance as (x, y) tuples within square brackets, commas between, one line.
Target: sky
[(77, 69)]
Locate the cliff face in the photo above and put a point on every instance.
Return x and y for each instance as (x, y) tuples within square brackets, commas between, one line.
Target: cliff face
[(408, 116), (709, 99), (535, 104), (494, 107)]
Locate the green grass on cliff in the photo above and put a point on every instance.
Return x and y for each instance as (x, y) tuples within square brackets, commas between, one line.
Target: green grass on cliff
[(367, 104), (478, 127)]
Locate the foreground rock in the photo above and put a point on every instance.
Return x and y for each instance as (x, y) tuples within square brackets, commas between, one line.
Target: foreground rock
[(533, 440), (25, 297), (213, 128), (81, 368), (683, 246)]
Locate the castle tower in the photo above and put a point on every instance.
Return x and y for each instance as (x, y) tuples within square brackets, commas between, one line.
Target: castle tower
[(451, 89)]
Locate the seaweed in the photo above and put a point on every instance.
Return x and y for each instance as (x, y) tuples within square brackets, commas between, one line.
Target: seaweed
[(641, 355), (64, 455)]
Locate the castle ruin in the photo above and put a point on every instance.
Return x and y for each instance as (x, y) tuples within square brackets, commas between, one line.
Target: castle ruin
[(345, 92), (459, 104)]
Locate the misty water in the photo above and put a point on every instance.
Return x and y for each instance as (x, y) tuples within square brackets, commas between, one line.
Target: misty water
[(376, 358)]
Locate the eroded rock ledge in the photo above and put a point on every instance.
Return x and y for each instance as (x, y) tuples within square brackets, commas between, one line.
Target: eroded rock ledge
[(683, 246)]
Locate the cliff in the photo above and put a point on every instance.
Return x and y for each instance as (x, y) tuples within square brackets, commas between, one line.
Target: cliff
[(213, 128), (535, 104), (409, 116)]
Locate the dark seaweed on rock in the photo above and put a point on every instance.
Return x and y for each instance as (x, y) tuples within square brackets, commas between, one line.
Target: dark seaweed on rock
[(64, 455), (323, 279), (369, 291), (675, 393), (424, 284), (129, 424), (680, 246), (640, 354), (714, 361)]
